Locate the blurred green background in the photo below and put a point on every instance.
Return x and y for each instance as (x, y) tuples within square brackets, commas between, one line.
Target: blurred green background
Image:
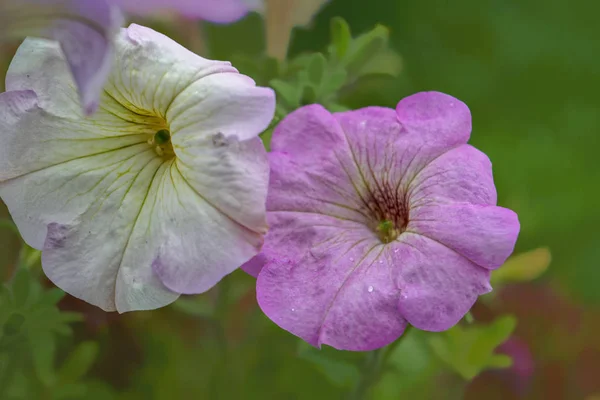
[(530, 73)]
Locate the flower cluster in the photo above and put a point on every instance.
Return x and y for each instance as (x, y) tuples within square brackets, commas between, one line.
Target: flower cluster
[(355, 225)]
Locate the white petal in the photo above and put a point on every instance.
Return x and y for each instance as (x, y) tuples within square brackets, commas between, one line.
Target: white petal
[(146, 219), (194, 244), (151, 70), (231, 175), (85, 256), (230, 105)]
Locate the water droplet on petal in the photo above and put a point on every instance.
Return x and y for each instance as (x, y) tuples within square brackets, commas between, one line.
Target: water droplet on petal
[(293, 309), (380, 261), (370, 289), (351, 259), (396, 250)]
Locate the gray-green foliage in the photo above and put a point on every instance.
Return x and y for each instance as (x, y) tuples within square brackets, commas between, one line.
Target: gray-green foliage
[(324, 77), (470, 349), (32, 327)]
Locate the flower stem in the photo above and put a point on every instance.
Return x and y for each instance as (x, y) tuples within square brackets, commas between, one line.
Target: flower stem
[(193, 31), (370, 373), (279, 24), (373, 369)]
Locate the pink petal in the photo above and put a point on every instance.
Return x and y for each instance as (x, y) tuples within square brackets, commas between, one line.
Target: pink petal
[(326, 282), (463, 174), (437, 285), (486, 235), (437, 117), (316, 172)]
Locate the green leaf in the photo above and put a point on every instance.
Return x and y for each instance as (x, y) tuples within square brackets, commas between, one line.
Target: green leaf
[(71, 391), (12, 326), (470, 349), (411, 368), (43, 349), (28, 256), (298, 63), (364, 48), (8, 224), (260, 68), (53, 296), (500, 361), (78, 363), (316, 69), (335, 107), (334, 82), (523, 267), (29, 322), (340, 36), (385, 62), (289, 93), (340, 373), (20, 287), (309, 95)]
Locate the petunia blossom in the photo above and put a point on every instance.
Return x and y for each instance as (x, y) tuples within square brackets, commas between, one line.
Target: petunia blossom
[(84, 29), (379, 218), (219, 11), (160, 192)]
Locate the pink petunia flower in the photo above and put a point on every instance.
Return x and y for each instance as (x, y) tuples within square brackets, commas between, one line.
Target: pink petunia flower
[(378, 218)]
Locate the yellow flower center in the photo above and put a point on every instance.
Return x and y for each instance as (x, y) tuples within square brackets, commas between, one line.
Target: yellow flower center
[(161, 142)]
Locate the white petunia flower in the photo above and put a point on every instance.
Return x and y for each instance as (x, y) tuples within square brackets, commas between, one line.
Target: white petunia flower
[(160, 192)]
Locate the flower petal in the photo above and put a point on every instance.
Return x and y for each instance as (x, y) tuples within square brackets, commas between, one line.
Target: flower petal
[(149, 74), (463, 174), (85, 30), (437, 285), (219, 11), (437, 117), (147, 228), (218, 230), (232, 176), (387, 151), (314, 172), (486, 235), (38, 66), (89, 51), (34, 143), (323, 281), (232, 106), (152, 70), (90, 256)]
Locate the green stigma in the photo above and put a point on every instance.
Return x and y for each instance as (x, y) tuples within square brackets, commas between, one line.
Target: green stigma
[(161, 137), (387, 232)]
